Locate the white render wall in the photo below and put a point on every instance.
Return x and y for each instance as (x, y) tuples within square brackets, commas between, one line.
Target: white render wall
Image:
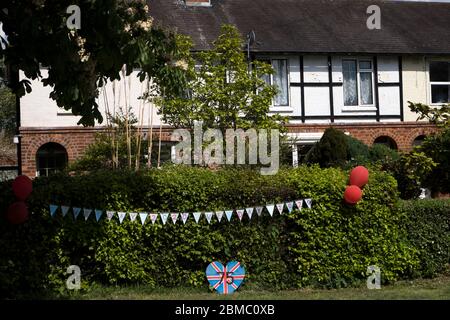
[(38, 110)]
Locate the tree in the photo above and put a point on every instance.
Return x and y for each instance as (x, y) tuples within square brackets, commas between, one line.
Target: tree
[(330, 151), (7, 112), (115, 35), (224, 91)]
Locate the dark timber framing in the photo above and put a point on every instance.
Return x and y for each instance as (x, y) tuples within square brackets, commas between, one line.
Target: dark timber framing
[(400, 73), (302, 89), (375, 76), (330, 86)]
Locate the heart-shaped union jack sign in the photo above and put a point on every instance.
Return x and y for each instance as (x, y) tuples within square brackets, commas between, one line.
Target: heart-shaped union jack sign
[(225, 279)]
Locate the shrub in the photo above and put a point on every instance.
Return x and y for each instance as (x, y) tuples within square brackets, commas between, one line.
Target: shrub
[(428, 226), (330, 151), (330, 244)]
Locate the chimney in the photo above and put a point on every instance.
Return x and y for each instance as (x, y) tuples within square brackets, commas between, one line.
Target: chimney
[(198, 3)]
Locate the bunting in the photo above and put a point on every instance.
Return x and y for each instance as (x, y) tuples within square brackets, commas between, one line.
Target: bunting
[(208, 216), (185, 215), (164, 217), (143, 216)]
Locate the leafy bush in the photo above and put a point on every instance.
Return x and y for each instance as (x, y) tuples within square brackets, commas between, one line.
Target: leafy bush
[(428, 225), (330, 151), (331, 244)]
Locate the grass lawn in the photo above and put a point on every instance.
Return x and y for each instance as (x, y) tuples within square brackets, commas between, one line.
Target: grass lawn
[(438, 288)]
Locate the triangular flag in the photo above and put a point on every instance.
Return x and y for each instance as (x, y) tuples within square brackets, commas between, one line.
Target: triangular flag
[(308, 202), (280, 207), (290, 206), (270, 208), (143, 216), (98, 214), (184, 217), (110, 215), (229, 214), (86, 213), (153, 217), (259, 210), (249, 212), (240, 214), (164, 217), (64, 210), (122, 216), (219, 215), (53, 209), (76, 212), (208, 216), (174, 217), (197, 216), (299, 204), (133, 216)]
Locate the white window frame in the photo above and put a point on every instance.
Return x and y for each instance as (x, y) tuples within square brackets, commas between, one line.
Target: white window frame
[(431, 83), (273, 107), (360, 107)]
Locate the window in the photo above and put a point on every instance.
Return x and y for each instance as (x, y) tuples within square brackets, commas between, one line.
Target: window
[(280, 79), (440, 81), (358, 82), (50, 158)]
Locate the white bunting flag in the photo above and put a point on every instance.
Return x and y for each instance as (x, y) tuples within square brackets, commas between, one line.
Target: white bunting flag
[(153, 217), (299, 204), (280, 207), (64, 210), (122, 216), (143, 216), (98, 214), (259, 211), (208, 216), (76, 212), (249, 212), (164, 217), (240, 214), (270, 208), (197, 216), (184, 217), (133, 216), (174, 217), (229, 214), (110, 215), (308, 202), (290, 206), (86, 213), (219, 215)]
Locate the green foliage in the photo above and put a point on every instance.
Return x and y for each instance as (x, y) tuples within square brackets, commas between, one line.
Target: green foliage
[(329, 245), (411, 171), (437, 147), (7, 112), (330, 151), (113, 34), (437, 115), (222, 93), (428, 225), (358, 152), (382, 153)]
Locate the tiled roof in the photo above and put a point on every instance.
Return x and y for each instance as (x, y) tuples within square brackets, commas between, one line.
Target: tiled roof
[(315, 26)]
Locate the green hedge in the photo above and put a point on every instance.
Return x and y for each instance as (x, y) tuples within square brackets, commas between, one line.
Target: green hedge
[(428, 226), (331, 244)]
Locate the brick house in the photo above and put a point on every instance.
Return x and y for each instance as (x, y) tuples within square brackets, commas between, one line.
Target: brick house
[(330, 68)]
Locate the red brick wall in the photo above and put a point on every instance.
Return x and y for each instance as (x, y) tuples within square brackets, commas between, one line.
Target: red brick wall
[(75, 140)]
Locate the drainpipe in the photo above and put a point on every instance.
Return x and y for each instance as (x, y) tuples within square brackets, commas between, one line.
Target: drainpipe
[(17, 137)]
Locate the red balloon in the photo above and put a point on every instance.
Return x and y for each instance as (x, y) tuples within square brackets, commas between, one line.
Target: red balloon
[(17, 213), (22, 187), (352, 195), (359, 176)]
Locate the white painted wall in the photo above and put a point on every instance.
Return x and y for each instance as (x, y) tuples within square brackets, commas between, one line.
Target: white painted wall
[(38, 110)]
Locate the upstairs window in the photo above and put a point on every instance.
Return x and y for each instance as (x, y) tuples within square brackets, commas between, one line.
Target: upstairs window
[(440, 82), (279, 79), (358, 82)]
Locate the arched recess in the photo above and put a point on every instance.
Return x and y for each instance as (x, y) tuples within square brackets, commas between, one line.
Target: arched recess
[(50, 158), (387, 141)]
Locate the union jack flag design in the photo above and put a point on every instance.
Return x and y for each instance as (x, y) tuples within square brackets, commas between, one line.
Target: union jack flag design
[(225, 279)]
